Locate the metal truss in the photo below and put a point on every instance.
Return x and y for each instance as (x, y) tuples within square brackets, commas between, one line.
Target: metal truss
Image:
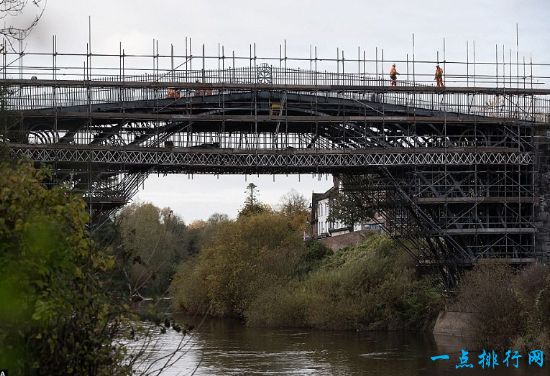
[(259, 161)]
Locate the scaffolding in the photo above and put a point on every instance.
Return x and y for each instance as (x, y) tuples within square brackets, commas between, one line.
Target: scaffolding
[(459, 172)]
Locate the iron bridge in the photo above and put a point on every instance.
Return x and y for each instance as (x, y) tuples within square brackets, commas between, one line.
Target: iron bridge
[(458, 173)]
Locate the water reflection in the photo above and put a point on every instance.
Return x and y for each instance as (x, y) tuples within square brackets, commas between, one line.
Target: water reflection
[(222, 347)]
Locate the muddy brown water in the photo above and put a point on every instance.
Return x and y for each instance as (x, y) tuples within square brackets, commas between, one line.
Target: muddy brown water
[(225, 347)]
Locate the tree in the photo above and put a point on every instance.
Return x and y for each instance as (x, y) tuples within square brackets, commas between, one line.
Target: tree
[(238, 260), (348, 208), (353, 205), (254, 209), (152, 242), (217, 218), (251, 198), (55, 315), (293, 203), (294, 206), (251, 204)]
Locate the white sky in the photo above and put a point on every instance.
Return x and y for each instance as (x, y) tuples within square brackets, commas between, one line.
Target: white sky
[(327, 24)]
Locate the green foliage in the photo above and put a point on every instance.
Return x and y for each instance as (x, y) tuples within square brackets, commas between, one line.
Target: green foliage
[(312, 258), (353, 205), (510, 308), (254, 208), (294, 206), (55, 317), (281, 305), (251, 204), (368, 287), (258, 268), (152, 242), (240, 259)]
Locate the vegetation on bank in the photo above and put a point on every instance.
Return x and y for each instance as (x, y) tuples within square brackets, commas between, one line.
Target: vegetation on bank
[(55, 315), (369, 287), (147, 243), (258, 268), (511, 308)]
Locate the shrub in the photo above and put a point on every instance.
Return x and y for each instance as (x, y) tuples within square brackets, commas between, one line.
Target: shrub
[(312, 258), (279, 306), (510, 308), (368, 287), (55, 316)]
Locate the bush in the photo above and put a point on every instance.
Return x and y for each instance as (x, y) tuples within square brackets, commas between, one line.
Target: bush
[(280, 306), (372, 286), (510, 307), (55, 317), (315, 253)]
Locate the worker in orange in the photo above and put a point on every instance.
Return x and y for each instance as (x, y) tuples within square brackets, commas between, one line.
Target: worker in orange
[(439, 76), (393, 75), (173, 93)]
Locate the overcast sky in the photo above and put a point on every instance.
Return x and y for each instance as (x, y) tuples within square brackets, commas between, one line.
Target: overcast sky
[(343, 24)]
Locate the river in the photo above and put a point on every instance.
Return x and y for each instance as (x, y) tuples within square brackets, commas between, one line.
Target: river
[(224, 347)]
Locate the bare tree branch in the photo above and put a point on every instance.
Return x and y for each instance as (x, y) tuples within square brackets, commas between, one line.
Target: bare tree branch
[(9, 9)]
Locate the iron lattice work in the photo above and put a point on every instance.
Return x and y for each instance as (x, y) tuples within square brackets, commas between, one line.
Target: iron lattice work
[(250, 161), (457, 173)]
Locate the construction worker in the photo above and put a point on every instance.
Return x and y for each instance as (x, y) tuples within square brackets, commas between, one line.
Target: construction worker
[(439, 76), (393, 75), (173, 93)]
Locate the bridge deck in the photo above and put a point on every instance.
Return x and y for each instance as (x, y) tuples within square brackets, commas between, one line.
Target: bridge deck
[(379, 88)]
